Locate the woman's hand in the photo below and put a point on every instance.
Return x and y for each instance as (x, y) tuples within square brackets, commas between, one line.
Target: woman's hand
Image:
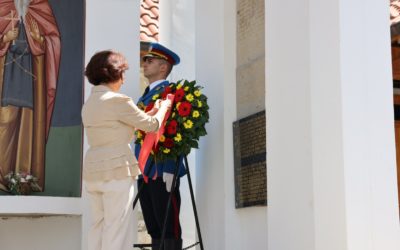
[(157, 104), (166, 103), (155, 108)]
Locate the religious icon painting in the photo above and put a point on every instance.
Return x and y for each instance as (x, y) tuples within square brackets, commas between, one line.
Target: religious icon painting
[(41, 95)]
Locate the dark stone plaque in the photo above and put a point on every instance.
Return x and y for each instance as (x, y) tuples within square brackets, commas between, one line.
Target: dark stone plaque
[(250, 155)]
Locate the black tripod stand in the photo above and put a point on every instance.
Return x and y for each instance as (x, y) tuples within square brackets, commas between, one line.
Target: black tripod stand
[(160, 246)]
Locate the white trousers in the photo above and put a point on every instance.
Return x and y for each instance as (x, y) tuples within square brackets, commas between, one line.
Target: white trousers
[(112, 215)]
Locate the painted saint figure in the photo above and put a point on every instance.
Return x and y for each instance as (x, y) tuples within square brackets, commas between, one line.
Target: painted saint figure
[(29, 63)]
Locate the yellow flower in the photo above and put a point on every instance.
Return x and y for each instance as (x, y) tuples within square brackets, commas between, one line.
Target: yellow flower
[(199, 104), (138, 134), (177, 105), (189, 97), (197, 93), (196, 114), (155, 97), (162, 138), (186, 88), (178, 86), (188, 124), (166, 151), (178, 137)]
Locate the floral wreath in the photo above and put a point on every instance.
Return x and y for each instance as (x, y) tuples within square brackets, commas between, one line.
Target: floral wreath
[(185, 125)]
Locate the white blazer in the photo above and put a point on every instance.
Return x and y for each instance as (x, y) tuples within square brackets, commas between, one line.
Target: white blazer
[(110, 120)]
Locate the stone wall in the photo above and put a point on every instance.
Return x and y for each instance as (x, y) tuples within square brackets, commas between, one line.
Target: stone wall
[(250, 72)]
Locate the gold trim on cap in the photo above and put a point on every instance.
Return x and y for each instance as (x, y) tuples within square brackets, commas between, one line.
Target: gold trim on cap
[(159, 55)]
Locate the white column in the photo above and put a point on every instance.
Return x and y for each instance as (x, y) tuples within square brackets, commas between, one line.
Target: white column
[(331, 155), (177, 31), (210, 179), (165, 22), (328, 141), (368, 134), (288, 112)]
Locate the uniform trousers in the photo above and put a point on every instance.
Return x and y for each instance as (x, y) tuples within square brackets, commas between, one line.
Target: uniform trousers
[(112, 215), (153, 200)]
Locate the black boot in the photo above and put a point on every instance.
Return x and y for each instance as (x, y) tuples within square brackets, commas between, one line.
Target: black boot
[(156, 244), (173, 244)]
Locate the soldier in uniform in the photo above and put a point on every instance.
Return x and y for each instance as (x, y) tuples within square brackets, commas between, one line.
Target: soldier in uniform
[(157, 65)]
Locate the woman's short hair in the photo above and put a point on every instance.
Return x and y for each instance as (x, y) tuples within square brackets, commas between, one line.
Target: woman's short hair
[(105, 67)]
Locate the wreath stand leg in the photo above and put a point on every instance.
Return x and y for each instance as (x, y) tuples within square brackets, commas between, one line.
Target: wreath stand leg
[(142, 246)]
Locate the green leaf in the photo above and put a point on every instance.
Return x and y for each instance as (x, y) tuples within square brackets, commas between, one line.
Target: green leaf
[(194, 144), (202, 132)]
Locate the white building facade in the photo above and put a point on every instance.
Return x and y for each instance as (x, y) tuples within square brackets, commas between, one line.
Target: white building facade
[(331, 163)]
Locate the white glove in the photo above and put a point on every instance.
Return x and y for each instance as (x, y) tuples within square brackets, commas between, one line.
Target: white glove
[(168, 178)]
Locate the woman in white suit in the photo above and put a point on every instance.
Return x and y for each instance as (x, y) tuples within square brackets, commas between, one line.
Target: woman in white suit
[(110, 167)]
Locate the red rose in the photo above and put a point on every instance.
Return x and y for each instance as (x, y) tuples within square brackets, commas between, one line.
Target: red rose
[(179, 94), (149, 107), (168, 143), (167, 89), (184, 109), (171, 128)]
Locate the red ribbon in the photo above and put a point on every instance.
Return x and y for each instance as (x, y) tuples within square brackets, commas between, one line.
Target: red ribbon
[(151, 141)]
